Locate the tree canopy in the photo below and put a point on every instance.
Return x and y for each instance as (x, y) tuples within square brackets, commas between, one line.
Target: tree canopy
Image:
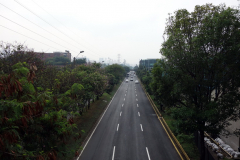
[(199, 76), (59, 61), (39, 102), (117, 70)]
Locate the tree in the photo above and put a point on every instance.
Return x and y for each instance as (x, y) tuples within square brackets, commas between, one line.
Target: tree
[(135, 68), (116, 70), (32, 122), (30, 127), (111, 83), (80, 61), (127, 69), (58, 61), (201, 57)]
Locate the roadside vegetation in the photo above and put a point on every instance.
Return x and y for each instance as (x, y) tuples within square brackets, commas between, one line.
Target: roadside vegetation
[(196, 81), (40, 104)]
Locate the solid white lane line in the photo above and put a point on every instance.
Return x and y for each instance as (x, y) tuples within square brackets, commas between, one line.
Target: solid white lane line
[(141, 127), (113, 153), (138, 114), (120, 113), (117, 127), (122, 105), (148, 154), (137, 105), (98, 123)]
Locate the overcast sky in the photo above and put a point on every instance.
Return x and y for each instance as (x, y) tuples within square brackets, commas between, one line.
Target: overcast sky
[(101, 28)]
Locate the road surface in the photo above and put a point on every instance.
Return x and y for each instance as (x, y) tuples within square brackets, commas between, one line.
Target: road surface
[(129, 130)]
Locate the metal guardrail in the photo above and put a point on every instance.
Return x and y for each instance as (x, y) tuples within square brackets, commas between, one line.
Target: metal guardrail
[(173, 139)]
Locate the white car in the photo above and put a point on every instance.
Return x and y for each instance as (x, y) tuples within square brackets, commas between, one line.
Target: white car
[(126, 80), (136, 81)]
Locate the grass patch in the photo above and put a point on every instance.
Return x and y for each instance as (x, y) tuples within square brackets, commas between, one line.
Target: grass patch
[(87, 122)]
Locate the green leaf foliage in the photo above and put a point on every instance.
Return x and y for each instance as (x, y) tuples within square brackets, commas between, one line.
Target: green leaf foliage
[(197, 77)]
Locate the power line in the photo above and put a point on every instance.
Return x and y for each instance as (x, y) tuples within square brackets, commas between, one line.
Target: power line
[(57, 20), (36, 24), (26, 36), (46, 22), (33, 31)]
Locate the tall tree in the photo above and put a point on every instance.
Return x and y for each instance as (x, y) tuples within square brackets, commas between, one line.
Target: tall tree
[(81, 61), (202, 58), (58, 61), (116, 70)]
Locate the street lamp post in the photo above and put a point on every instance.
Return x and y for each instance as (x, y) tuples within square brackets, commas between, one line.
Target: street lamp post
[(74, 59)]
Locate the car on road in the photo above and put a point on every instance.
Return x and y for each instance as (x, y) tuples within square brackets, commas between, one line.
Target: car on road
[(136, 81), (126, 80), (131, 79)]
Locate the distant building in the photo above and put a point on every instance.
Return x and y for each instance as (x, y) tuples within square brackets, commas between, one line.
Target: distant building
[(65, 54), (101, 60), (147, 63), (44, 56)]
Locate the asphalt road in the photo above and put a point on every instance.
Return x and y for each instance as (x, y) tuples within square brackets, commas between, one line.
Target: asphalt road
[(129, 130)]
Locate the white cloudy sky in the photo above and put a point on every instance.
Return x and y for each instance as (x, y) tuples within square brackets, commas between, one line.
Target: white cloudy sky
[(102, 28)]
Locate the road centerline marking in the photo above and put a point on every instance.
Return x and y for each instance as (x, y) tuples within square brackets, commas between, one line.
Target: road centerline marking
[(117, 127), (141, 127), (148, 154), (113, 153)]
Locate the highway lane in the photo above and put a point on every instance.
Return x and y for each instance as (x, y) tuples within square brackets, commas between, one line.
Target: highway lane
[(129, 130)]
